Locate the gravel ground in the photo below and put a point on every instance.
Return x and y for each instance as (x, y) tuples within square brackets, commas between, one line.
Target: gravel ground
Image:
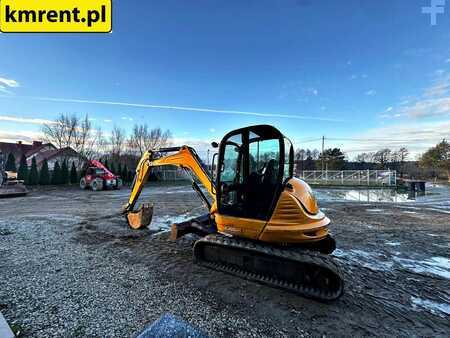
[(70, 267)]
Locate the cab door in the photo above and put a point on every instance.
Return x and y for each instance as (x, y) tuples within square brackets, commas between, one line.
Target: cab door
[(250, 172)]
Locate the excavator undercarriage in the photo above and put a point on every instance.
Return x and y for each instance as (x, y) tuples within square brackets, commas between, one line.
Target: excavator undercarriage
[(263, 224)]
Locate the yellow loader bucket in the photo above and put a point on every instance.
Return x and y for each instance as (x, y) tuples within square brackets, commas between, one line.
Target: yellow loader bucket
[(142, 217)]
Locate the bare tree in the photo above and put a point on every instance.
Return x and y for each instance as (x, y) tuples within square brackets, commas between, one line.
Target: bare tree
[(117, 140), (83, 137), (71, 131), (61, 131), (362, 158), (300, 157), (403, 154), (382, 157), (143, 139)]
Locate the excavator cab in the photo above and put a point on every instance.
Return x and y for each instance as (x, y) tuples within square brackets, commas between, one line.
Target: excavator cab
[(253, 164)]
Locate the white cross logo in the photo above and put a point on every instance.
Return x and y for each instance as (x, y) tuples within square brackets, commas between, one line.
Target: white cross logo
[(436, 7)]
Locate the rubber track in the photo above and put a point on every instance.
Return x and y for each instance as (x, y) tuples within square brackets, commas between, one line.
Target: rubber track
[(319, 260)]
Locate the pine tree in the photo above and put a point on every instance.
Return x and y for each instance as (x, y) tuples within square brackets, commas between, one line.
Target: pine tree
[(73, 174), (23, 169), (44, 176), (119, 170), (106, 164), (124, 173), (56, 175), (113, 168), (64, 173), (130, 176), (33, 176), (10, 164)]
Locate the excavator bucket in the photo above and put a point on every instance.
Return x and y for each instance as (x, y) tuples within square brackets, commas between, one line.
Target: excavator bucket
[(142, 217)]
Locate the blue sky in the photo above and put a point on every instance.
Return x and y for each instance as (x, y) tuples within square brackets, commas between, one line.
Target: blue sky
[(366, 74)]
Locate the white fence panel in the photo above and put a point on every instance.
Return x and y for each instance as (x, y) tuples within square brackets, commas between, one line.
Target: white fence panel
[(350, 177)]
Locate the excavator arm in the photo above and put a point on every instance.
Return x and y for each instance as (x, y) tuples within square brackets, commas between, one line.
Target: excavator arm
[(183, 157)]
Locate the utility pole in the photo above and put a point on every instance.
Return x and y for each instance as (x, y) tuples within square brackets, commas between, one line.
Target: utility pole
[(323, 149)]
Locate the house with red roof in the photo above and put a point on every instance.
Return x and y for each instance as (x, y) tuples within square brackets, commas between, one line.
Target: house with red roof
[(41, 151)]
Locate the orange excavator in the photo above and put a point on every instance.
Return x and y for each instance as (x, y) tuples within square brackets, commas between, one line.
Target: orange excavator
[(263, 223)]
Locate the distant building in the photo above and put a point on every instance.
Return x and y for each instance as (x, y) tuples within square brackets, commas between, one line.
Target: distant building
[(41, 151)]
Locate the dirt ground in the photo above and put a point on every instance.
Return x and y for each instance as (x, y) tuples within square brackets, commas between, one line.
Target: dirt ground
[(70, 267)]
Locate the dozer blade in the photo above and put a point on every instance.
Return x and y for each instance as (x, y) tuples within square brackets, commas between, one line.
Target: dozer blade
[(307, 273), (13, 189), (142, 217)]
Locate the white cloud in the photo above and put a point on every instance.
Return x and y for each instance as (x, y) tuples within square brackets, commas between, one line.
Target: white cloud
[(427, 108), (212, 130), (9, 82), (18, 119), (388, 109), (356, 76), (20, 135), (107, 120), (194, 109), (417, 138), (201, 146), (4, 90), (126, 118), (438, 89), (371, 92), (447, 61)]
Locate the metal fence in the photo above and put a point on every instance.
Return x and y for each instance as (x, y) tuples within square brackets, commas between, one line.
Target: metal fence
[(171, 175), (350, 177)]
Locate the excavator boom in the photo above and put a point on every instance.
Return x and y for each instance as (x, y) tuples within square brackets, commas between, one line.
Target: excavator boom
[(183, 157)]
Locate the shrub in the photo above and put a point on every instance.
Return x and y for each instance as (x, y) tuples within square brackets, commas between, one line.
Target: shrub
[(44, 176), (10, 164), (73, 174), (33, 176), (56, 175), (124, 173), (64, 173), (23, 169)]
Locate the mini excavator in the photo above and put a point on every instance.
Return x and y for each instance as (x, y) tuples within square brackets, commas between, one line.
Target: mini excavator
[(263, 223)]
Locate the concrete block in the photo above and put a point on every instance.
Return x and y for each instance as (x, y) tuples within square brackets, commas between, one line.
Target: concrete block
[(169, 326), (5, 330)]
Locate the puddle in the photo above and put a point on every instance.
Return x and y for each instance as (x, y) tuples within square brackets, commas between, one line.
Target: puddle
[(433, 194), (166, 221), (433, 307), (439, 266), (434, 266), (372, 260)]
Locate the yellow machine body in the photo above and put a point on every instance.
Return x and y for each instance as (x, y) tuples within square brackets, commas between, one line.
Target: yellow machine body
[(296, 218)]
